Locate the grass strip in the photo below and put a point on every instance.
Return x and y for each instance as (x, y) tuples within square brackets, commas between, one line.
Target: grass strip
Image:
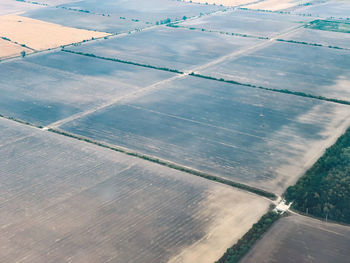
[(215, 31), (123, 61), (286, 91), (308, 44), (21, 121)]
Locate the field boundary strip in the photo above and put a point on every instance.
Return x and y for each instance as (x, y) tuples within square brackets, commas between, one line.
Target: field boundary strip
[(168, 164), (150, 158), (177, 25), (193, 74)]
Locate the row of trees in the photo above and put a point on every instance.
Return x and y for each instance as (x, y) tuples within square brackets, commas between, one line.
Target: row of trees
[(235, 253), (324, 191)]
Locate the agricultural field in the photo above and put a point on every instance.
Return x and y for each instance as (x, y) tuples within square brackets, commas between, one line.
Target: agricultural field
[(16, 7), (151, 11), (45, 88), (275, 5), (64, 200), (9, 49), (325, 38), (244, 134), (248, 22), (174, 131), (88, 21), (158, 48), (222, 2), (339, 9), (301, 239), (40, 35), (319, 71)]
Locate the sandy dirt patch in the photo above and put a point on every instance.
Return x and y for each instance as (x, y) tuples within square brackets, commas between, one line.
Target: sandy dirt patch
[(235, 213), (224, 2), (9, 49), (274, 5), (309, 151), (41, 35)]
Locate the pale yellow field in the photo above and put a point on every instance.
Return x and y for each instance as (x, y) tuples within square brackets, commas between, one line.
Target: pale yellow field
[(9, 49), (224, 2), (41, 35), (274, 5)]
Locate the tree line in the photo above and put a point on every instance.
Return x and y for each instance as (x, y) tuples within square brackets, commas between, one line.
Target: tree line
[(324, 191)]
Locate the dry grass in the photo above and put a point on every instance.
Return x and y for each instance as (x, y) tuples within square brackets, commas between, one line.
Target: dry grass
[(9, 49), (41, 35)]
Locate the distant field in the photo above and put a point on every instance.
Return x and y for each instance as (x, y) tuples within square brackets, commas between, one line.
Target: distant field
[(83, 20), (147, 11), (15, 7), (9, 49), (325, 38), (335, 26), (62, 199), (301, 239), (222, 2), (274, 5), (56, 2), (41, 35), (158, 48), (264, 139), (309, 69), (45, 88), (326, 9), (248, 22)]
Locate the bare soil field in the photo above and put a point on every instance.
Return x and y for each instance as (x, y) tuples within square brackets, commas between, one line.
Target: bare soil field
[(40, 35), (248, 22), (326, 9), (84, 20), (264, 139), (151, 11), (326, 38), (45, 88), (319, 71), (9, 49), (64, 200), (300, 239), (157, 47)]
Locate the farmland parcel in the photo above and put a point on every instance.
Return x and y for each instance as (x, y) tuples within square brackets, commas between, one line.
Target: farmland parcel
[(63, 200), (248, 22), (45, 88), (9, 49), (165, 52), (301, 239), (264, 139), (312, 70), (40, 35)]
